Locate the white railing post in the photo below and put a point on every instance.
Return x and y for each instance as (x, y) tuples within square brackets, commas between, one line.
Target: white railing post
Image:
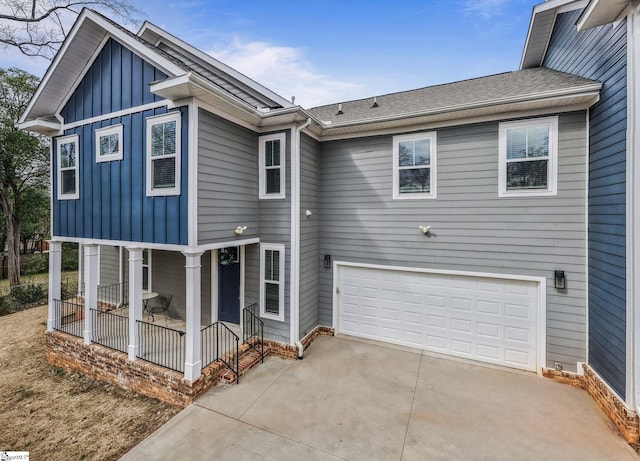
[(193, 359), (91, 269), (55, 280), (135, 299)]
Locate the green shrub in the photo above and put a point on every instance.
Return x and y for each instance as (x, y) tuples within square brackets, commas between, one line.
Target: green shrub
[(69, 259), (36, 264)]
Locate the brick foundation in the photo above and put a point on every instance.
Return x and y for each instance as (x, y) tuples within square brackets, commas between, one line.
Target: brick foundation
[(114, 367), (564, 377), (625, 419)]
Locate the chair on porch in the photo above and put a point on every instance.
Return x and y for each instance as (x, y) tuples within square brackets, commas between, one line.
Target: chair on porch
[(160, 306)]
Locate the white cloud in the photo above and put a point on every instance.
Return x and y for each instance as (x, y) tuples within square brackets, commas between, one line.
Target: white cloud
[(286, 71), (11, 57), (484, 8)]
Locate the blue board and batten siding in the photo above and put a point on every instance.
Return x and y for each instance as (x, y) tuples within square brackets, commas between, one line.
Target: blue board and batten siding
[(601, 54), (112, 203)]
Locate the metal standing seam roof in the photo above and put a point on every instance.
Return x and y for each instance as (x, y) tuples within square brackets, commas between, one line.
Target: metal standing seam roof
[(182, 58), (522, 84)]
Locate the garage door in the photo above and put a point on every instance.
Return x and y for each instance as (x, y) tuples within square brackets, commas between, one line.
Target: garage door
[(487, 319)]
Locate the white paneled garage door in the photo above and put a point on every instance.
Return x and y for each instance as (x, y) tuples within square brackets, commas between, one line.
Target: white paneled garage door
[(487, 319)]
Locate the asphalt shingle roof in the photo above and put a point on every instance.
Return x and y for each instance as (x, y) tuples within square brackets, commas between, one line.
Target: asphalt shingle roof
[(518, 84)]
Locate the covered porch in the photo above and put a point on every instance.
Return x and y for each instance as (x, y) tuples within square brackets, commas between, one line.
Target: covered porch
[(129, 317)]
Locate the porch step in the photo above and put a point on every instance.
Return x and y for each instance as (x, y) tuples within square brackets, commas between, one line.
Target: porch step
[(248, 359)]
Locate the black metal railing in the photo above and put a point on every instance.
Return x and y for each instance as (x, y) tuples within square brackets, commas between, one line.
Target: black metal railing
[(253, 330), (218, 342), (110, 330), (114, 296), (161, 345), (68, 317)]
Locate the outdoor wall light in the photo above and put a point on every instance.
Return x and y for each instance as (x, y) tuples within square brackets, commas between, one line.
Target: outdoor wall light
[(560, 280), (425, 229), (308, 213), (240, 230), (327, 261)]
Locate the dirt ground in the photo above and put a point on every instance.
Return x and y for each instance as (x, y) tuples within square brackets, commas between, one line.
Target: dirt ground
[(56, 415)]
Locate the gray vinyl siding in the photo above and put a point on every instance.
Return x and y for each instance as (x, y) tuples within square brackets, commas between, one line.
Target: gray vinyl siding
[(275, 227), (109, 265), (472, 229), (227, 180), (168, 276), (600, 54), (251, 275), (310, 263)]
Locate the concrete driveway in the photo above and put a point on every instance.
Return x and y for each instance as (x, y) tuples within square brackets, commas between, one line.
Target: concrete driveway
[(355, 400)]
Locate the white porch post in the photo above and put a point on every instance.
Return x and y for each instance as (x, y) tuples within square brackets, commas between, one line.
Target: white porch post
[(135, 298), (90, 287), (193, 361), (55, 280)]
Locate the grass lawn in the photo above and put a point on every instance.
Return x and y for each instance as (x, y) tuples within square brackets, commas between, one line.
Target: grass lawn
[(70, 277), (56, 415)]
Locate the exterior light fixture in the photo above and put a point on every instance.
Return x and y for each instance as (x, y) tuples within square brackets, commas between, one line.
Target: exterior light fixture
[(240, 230), (560, 280), (425, 229), (327, 261)]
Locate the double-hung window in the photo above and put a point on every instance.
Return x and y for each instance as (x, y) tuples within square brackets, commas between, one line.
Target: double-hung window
[(414, 166), (272, 166), (528, 156), (109, 143), (68, 177), (272, 281), (163, 154)]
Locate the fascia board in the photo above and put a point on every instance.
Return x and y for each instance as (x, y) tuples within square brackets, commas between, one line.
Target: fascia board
[(88, 15), (149, 27), (586, 90)]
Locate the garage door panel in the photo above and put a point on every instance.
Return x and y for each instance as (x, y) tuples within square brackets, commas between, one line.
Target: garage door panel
[(492, 320)]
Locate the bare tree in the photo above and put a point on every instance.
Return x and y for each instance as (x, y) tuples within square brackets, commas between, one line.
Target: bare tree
[(38, 27)]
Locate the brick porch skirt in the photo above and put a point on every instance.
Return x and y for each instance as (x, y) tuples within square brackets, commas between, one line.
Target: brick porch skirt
[(114, 367), (625, 419)]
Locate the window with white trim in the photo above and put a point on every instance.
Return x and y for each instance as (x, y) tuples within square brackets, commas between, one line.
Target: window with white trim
[(146, 270), (68, 177), (528, 158), (109, 143), (163, 154), (272, 281), (414, 166), (272, 155)]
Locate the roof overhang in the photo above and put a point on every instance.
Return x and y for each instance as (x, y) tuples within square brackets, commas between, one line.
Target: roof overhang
[(543, 19), (575, 99), (76, 55), (154, 34), (40, 126), (600, 12)]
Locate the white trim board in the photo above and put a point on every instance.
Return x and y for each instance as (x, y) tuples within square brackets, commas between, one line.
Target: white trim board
[(116, 114), (158, 246), (542, 296)]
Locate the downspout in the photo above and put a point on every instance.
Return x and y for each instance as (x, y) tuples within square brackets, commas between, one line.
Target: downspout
[(294, 289)]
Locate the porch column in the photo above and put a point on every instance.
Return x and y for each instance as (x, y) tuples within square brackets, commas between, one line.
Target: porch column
[(135, 299), (55, 282), (193, 361), (91, 269)]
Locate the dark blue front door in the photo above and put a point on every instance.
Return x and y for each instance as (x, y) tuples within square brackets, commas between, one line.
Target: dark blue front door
[(229, 285)]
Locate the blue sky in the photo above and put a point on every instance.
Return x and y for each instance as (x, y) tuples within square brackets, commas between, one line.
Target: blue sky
[(328, 51)]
